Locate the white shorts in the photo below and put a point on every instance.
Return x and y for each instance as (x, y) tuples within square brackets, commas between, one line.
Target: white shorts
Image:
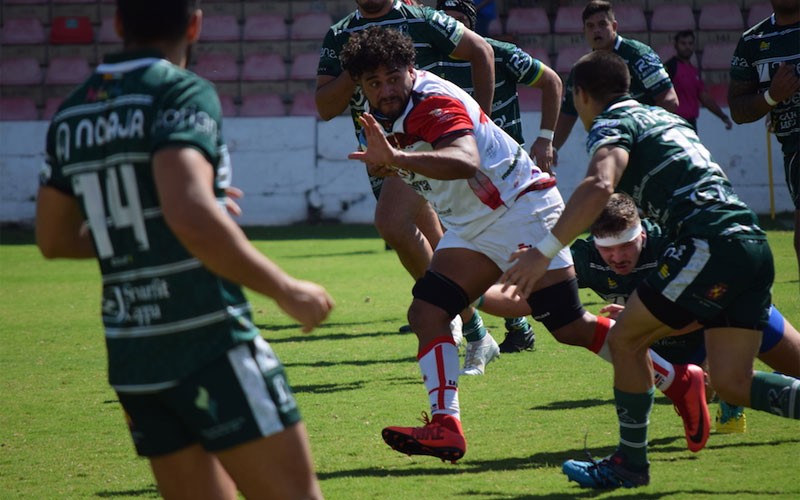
[(525, 223)]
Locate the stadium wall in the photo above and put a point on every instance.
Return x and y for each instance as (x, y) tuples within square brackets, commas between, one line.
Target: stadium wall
[(295, 169)]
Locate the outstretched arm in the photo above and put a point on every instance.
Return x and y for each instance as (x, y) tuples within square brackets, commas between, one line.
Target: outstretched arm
[(542, 149)]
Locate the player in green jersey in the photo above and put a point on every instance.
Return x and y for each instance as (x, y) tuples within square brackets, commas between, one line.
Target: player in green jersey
[(136, 176), (405, 221), (765, 80), (655, 157), (650, 83)]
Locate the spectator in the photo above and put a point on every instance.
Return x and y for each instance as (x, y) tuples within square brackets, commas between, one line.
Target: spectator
[(688, 85)]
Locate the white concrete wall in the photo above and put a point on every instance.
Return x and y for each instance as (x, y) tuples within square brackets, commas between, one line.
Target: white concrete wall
[(295, 169)]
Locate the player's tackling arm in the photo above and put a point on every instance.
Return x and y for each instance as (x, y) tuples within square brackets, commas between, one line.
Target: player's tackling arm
[(60, 228), (333, 94), (184, 178), (473, 48), (667, 100)]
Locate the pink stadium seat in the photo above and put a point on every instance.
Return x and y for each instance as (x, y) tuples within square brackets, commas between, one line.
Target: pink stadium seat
[(568, 19), (718, 55), (262, 105), (67, 70), (263, 67), (304, 66), (50, 107), (719, 91), (758, 12), (496, 27), (20, 71), (672, 18), (217, 67), (538, 53), (527, 21), (221, 28), (567, 57), (23, 31), (108, 32), (18, 109), (304, 104), (265, 27), (227, 104), (720, 16), (310, 25), (530, 99), (71, 30), (630, 18)]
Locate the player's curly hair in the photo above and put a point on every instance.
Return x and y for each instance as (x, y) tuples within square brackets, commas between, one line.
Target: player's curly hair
[(620, 213), (374, 47)]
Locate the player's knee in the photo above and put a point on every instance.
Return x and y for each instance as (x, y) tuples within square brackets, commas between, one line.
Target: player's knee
[(557, 305), (438, 290), (732, 388)]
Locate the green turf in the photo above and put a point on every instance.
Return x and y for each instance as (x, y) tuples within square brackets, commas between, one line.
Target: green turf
[(62, 433)]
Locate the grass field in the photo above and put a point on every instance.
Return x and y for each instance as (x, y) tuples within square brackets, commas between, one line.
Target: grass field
[(62, 433)]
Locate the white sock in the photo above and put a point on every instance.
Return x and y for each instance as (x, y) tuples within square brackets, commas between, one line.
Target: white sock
[(663, 370), (439, 365)]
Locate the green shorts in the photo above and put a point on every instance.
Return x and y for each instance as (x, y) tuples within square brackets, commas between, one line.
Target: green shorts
[(719, 282), (242, 396)]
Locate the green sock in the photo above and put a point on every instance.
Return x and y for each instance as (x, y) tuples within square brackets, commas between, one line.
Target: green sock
[(520, 323), (633, 412), (474, 329), (776, 394)]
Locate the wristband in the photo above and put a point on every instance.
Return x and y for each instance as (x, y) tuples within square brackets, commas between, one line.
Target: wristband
[(769, 99), (546, 134), (549, 246)]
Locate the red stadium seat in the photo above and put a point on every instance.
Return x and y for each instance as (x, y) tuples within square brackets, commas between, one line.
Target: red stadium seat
[(758, 12), (18, 109), (71, 30), (717, 56), (672, 18), (217, 67), (304, 66), (108, 32), (23, 31), (263, 67), (630, 18), (720, 16), (304, 104), (222, 28), (527, 21), (310, 25), (567, 57), (530, 99), (569, 19), (50, 107), (20, 71), (262, 105), (719, 92), (265, 27), (67, 70)]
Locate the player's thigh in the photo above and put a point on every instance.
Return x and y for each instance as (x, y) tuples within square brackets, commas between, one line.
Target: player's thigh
[(192, 474), (398, 203), (278, 466), (636, 327), (465, 265), (731, 353)]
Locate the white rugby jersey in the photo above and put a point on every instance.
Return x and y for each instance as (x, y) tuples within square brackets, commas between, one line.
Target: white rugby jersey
[(439, 109)]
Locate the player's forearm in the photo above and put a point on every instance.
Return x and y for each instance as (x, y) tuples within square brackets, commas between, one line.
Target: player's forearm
[(563, 128), (333, 96), (710, 104), (584, 206), (442, 164), (60, 229), (748, 108), (483, 76), (551, 86)]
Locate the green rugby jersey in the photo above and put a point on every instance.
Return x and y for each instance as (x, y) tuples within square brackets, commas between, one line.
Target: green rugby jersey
[(512, 66), (760, 51), (435, 36), (595, 274), (648, 76), (165, 315), (670, 174)]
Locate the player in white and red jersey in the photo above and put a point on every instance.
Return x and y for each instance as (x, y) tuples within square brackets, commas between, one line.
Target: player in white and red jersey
[(489, 195)]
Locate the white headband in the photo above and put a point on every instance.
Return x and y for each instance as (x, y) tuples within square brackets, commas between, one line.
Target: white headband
[(625, 236)]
